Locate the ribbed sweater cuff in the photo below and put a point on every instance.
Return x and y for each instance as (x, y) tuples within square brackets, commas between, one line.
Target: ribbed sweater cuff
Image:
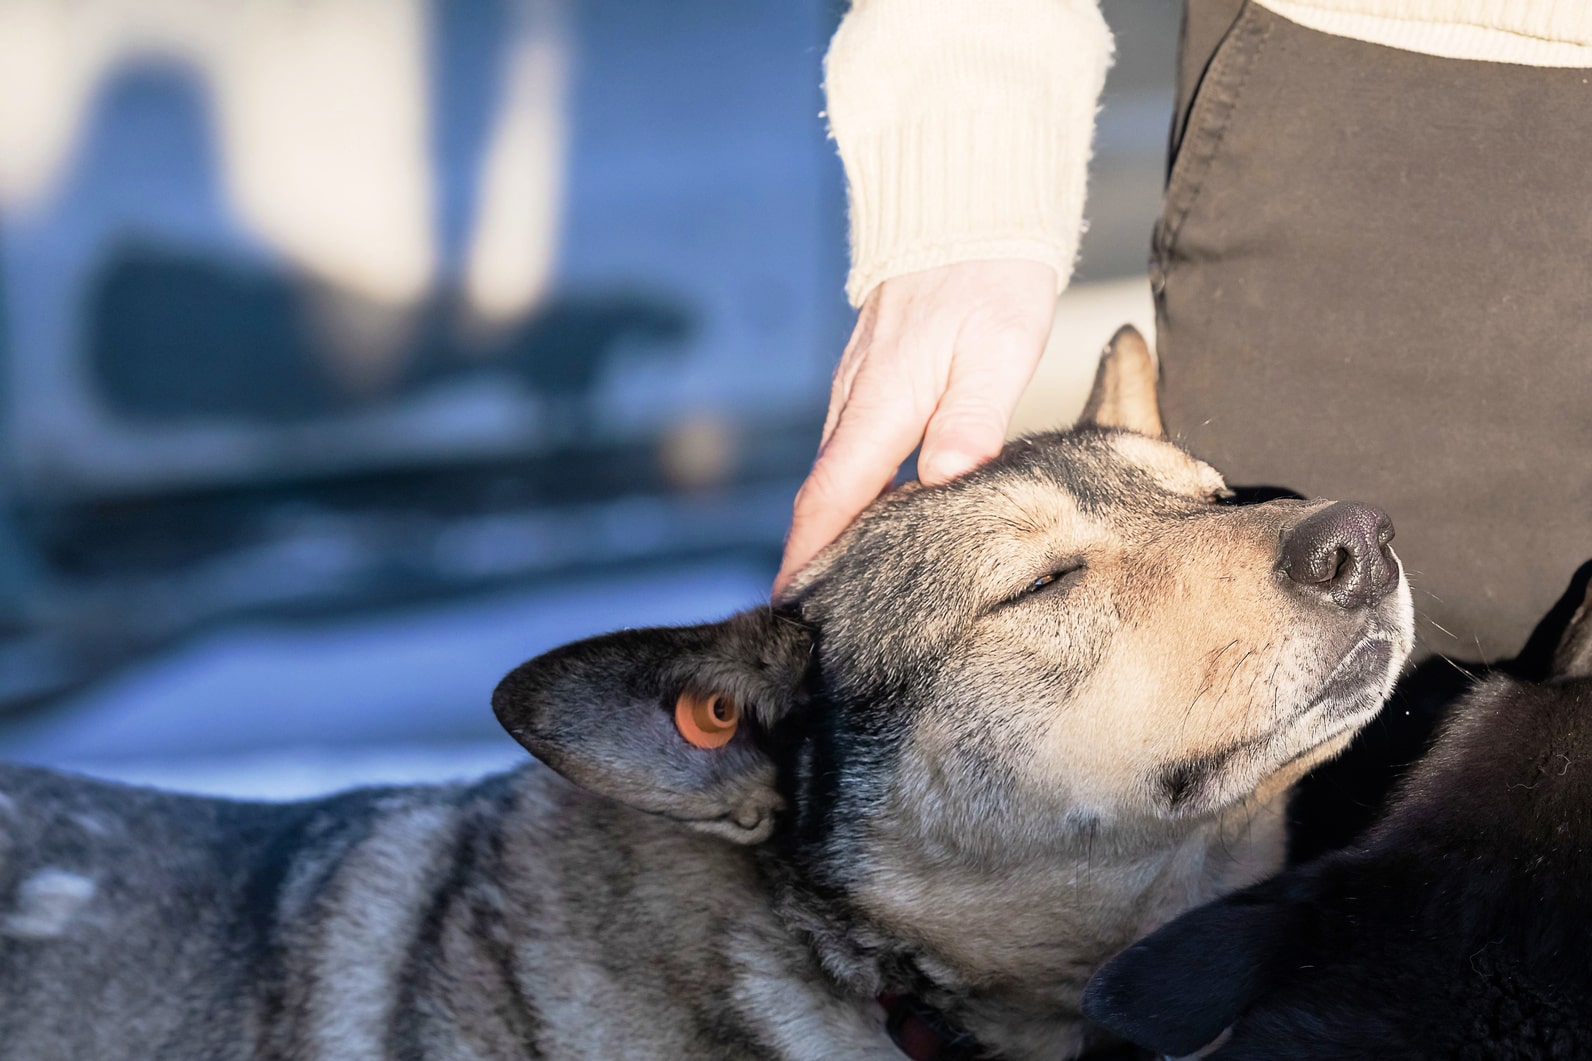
[(959, 187), (964, 126)]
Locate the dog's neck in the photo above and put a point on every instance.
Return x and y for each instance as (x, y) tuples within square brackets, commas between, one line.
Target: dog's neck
[(1011, 973)]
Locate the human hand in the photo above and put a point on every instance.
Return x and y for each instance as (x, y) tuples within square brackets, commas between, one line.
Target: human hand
[(938, 357)]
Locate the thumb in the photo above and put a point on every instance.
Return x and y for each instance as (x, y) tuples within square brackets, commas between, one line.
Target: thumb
[(966, 431), (969, 426)]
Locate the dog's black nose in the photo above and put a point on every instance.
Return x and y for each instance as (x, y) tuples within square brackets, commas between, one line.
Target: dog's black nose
[(1341, 552)]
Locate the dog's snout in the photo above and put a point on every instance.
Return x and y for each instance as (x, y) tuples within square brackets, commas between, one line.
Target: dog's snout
[(1341, 553)]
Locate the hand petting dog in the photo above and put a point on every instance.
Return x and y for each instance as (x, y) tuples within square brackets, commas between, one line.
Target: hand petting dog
[(938, 357)]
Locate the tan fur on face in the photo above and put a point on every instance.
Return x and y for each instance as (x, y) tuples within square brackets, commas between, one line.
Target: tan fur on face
[(1188, 637), (1174, 470)]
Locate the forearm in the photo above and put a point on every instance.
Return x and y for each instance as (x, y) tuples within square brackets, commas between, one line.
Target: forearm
[(964, 127)]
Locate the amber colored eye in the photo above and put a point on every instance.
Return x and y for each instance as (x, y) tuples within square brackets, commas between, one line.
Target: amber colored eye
[(706, 721), (1041, 582)]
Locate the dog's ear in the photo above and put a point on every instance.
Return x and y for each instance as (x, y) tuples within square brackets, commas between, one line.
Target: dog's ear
[(1573, 657), (1124, 387), (1178, 989), (673, 721)]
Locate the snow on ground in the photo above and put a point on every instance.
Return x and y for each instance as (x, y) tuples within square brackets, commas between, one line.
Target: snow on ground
[(282, 711), (302, 772)]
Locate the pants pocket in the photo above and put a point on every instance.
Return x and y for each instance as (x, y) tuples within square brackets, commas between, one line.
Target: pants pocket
[(1216, 101)]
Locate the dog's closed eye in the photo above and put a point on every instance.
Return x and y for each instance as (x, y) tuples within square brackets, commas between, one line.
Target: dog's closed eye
[(1048, 580), (1052, 581)]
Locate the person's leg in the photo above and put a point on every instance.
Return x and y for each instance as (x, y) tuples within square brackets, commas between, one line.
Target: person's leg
[(1372, 279)]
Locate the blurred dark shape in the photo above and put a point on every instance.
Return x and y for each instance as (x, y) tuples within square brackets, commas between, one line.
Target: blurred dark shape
[(119, 579), (175, 336)]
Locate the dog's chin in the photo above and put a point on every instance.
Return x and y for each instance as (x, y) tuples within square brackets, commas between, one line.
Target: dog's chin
[(1352, 694), (1360, 683)]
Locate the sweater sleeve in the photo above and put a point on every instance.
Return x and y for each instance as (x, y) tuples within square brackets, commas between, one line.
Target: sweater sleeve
[(964, 127)]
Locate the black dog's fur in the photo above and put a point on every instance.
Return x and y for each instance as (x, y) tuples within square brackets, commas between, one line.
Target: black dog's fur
[(1459, 927)]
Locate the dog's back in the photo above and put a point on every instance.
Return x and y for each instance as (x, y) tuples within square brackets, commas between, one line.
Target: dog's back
[(261, 929), (499, 920)]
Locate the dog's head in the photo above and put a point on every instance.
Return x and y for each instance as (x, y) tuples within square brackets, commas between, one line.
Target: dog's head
[(1082, 645), (1473, 889)]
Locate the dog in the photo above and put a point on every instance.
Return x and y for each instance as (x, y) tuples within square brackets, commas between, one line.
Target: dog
[(997, 731), (1457, 929)]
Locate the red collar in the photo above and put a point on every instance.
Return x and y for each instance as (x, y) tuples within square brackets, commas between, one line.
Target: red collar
[(920, 1032)]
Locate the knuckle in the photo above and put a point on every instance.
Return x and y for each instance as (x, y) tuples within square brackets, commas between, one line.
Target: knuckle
[(971, 414), (882, 403), (1003, 325)]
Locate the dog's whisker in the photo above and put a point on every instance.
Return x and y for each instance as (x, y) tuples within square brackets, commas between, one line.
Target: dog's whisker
[(1463, 670), (1240, 663), (1481, 653), (1440, 626)]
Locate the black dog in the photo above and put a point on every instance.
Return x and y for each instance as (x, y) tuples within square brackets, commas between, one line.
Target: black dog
[(1461, 927)]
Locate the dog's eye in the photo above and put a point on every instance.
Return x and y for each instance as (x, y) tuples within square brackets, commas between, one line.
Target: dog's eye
[(1053, 581), (1224, 496), (1045, 581)]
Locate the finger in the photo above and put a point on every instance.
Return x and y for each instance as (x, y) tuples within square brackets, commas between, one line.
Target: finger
[(859, 462), (969, 425)]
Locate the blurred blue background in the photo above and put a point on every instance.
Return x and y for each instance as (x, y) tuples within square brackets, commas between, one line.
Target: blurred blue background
[(352, 351)]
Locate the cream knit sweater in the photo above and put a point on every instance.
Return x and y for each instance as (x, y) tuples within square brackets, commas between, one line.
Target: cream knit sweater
[(964, 125)]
